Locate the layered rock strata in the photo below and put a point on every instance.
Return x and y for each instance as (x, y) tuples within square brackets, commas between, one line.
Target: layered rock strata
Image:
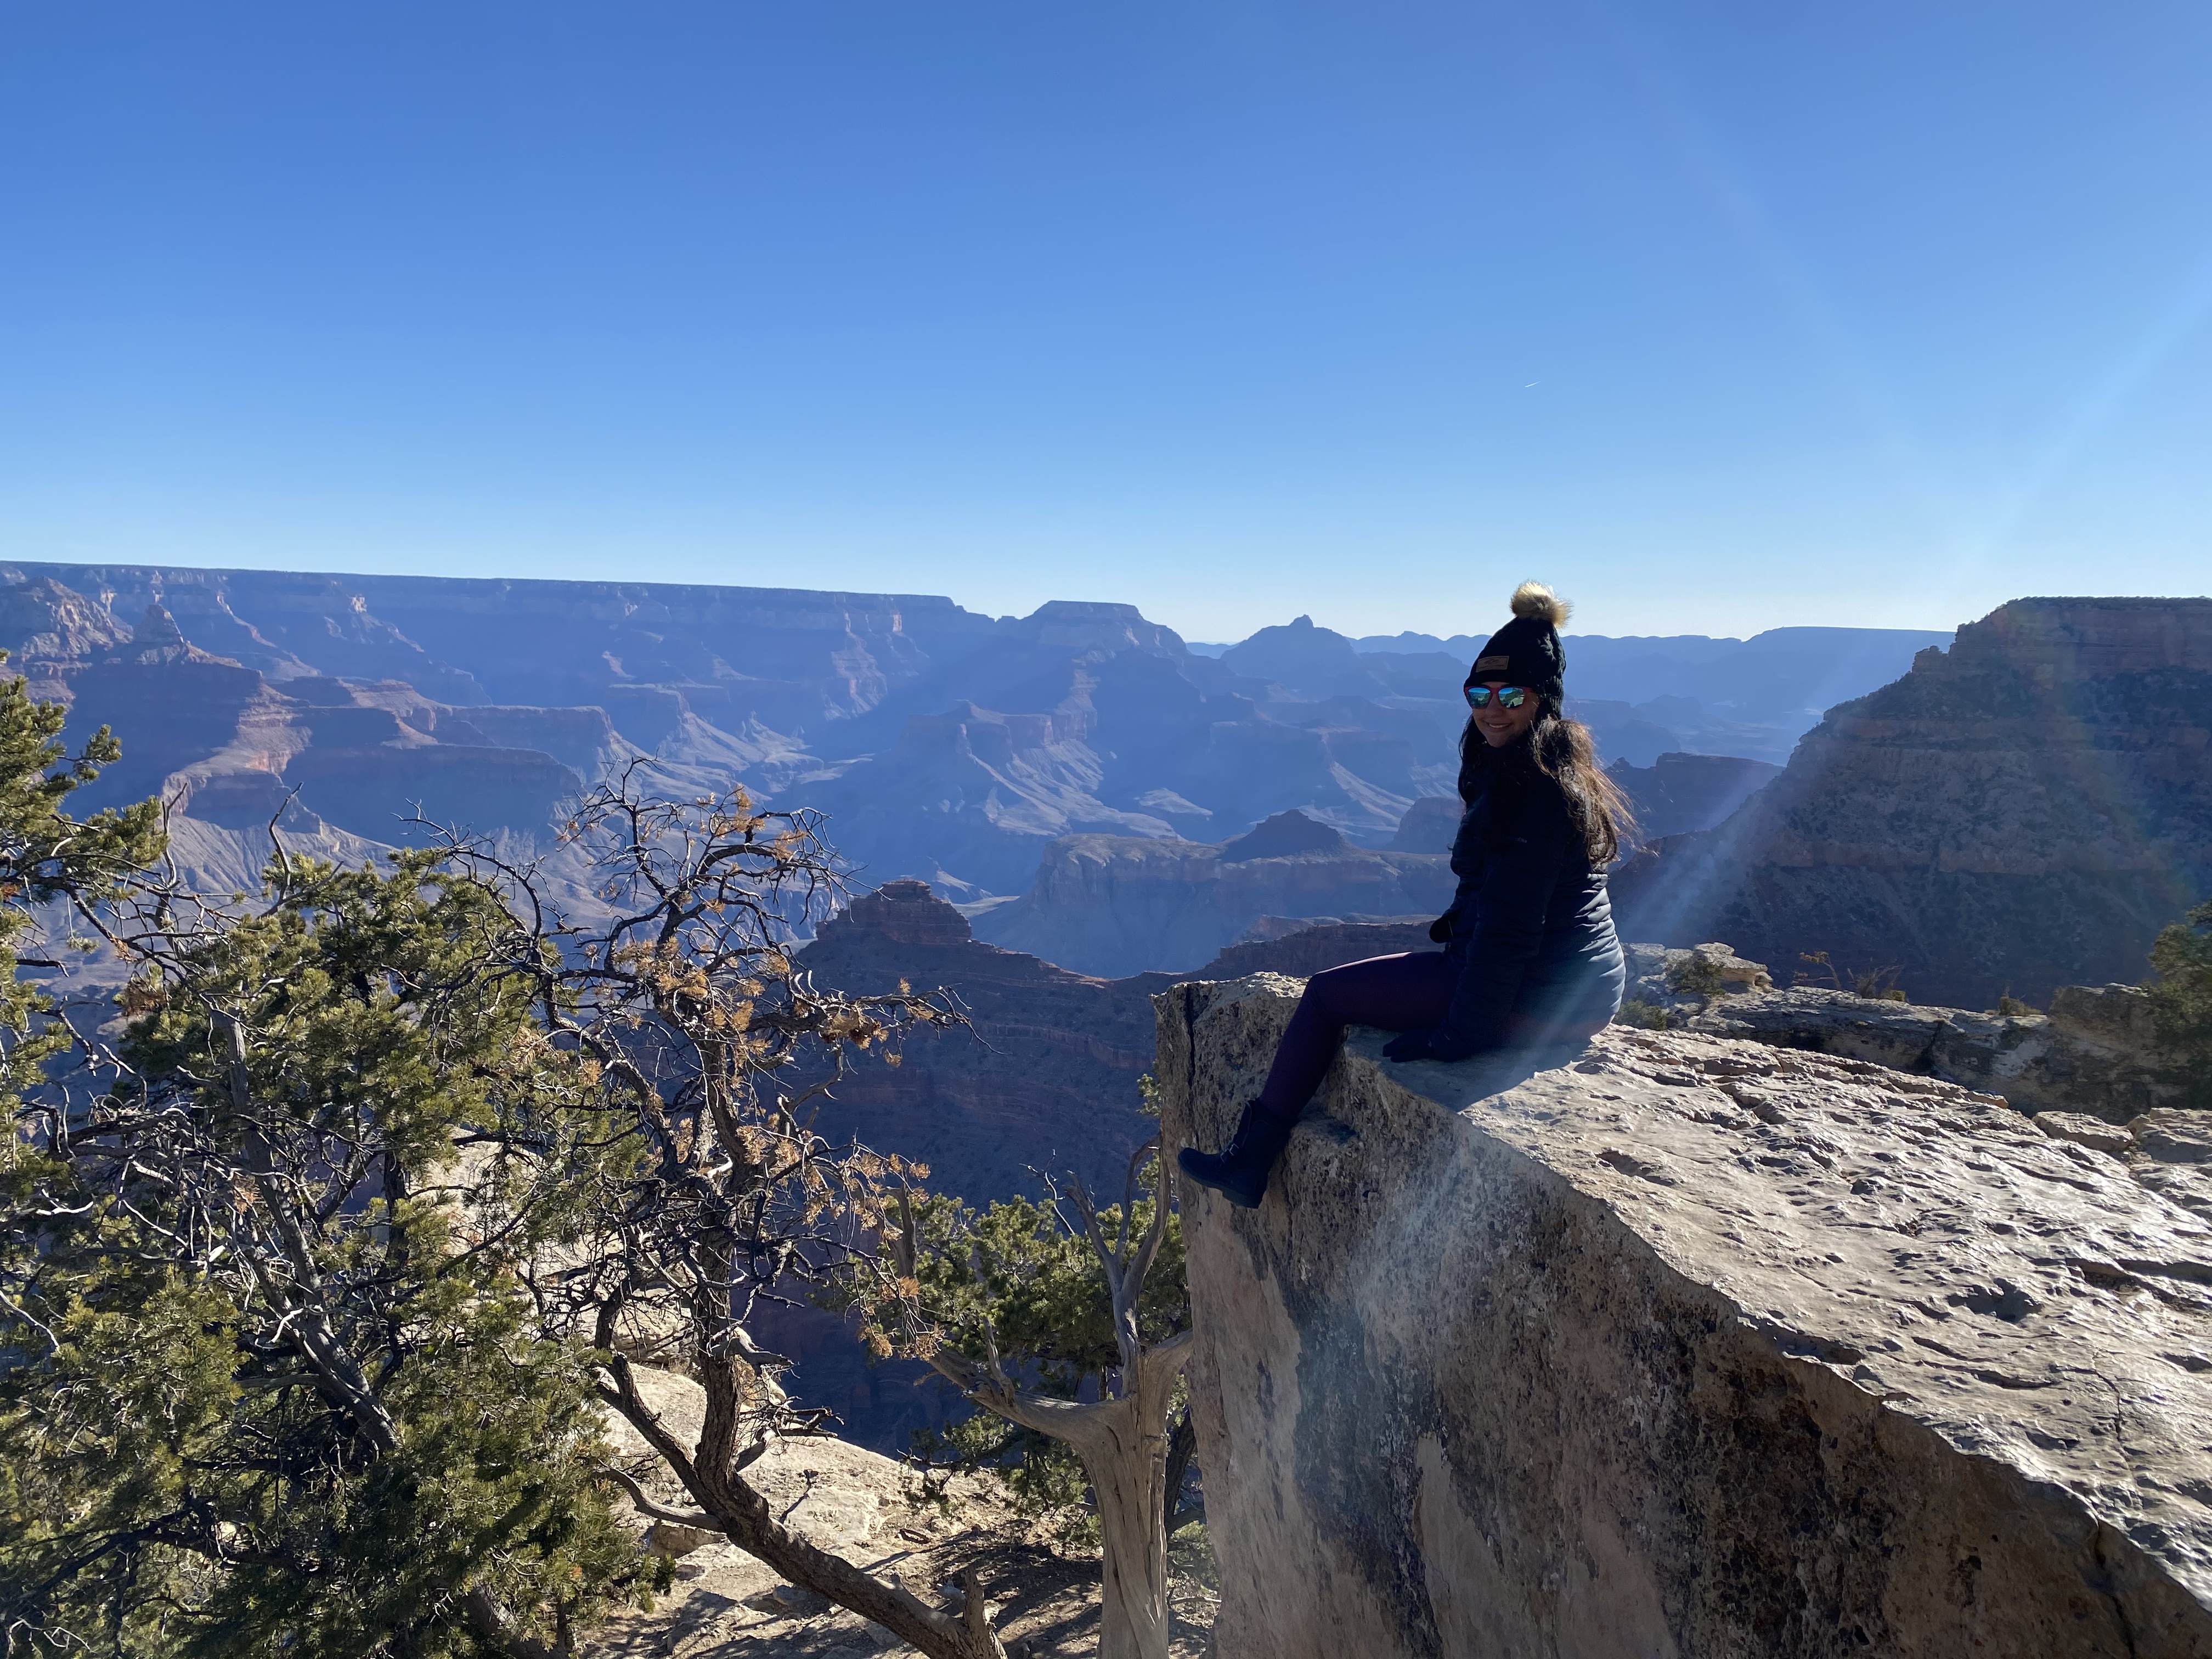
[(1115, 905), (1679, 794), (2023, 811), (1046, 1078), (942, 744), (1681, 1345), (2168, 1150)]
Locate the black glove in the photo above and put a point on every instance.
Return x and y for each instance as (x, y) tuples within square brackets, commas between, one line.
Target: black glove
[(1440, 929), (1438, 1044)]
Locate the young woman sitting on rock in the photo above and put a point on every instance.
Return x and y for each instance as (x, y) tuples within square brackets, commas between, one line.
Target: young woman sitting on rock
[(1530, 959)]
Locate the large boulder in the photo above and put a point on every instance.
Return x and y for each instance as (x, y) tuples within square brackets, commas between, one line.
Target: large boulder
[(2096, 1051), (1685, 1345)]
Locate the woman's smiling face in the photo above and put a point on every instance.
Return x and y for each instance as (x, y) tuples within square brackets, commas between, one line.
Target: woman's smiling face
[(1500, 725)]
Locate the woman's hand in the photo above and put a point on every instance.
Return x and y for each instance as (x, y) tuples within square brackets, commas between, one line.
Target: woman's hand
[(1436, 1044)]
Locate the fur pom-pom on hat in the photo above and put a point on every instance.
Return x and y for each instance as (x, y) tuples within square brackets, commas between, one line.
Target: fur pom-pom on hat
[(1539, 604), (1527, 651)]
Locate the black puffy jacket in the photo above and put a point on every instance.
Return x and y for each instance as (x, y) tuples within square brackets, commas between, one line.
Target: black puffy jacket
[(1530, 925)]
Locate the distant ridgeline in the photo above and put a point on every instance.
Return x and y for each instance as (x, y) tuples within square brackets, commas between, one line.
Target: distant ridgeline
[(944, 745)]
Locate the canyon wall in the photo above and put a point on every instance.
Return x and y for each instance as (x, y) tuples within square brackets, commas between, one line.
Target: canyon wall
[(944, 743), (941, 743), (1116, 905), (2023, 811), (1046, 1077), (1680, 1346)]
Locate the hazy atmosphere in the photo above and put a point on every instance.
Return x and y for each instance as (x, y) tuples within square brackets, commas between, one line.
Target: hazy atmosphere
[(1043, 830), (1718, 316)]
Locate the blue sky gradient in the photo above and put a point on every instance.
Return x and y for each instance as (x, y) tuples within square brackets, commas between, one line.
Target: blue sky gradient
[(1721, 316)]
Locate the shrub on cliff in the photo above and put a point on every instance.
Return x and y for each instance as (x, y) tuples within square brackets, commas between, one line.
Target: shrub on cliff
[(282, 1388), (314, 1284), (1068, 1326), (1038, 1281), (2181, 1004)]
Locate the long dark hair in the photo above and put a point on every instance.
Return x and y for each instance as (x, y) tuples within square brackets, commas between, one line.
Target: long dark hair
[(1560, 749)]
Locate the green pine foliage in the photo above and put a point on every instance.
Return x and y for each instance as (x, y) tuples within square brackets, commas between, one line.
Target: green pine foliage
[(271, 1380), (2181, 1004), (46, 857), (1018, 1266)]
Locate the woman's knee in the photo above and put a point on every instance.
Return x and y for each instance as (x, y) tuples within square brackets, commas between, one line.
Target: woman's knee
[(1334, 993), (1380, 991)]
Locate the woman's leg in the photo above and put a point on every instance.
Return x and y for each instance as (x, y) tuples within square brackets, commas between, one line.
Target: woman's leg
[(1399, 994), (1408, 993)]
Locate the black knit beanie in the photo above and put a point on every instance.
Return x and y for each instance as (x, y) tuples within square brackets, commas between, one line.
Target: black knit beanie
[(1527, 651)]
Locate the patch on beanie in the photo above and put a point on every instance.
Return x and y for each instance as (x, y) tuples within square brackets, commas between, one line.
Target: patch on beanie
[(1502, 665)]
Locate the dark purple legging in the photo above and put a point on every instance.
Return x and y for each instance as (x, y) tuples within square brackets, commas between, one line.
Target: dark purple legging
[(1408, 992)]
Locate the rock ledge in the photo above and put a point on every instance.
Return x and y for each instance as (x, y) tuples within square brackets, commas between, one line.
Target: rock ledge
[(1687, 1346)]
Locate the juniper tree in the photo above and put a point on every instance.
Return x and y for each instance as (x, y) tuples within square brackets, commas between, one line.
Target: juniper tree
[(2181, 1003), (1071, 1324), (706, 1049), (319, 1271), (281, 1386)]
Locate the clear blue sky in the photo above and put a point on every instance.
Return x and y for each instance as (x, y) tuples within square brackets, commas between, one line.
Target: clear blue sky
[(1720, 316)]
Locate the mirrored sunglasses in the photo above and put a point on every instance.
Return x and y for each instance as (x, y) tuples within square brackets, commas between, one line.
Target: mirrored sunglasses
[(1510, 696)]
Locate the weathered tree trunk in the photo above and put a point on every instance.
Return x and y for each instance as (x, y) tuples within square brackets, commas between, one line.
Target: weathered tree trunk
[(1123, 1443), (1127, 1461), (713, 1473), (745, 1517), (1122, 1439)]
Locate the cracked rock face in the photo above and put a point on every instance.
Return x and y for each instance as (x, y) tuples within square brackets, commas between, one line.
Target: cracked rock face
[(2036, 1062), (1685, 1345)]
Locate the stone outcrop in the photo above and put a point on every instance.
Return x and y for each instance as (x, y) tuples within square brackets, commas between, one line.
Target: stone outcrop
[(2021, 812), (1682, 1345), (2094, 1053), (2168, 1150), (726, 1604), (2071, 1059)]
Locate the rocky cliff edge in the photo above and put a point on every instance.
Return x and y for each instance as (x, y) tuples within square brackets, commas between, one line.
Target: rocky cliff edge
[(1686, 1345)]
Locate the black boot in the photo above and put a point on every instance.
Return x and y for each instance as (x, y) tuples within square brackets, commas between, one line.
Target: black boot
[(1239, 1171)]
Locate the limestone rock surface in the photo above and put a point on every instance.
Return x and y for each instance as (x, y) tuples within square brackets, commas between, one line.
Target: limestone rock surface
[(2091, 1054), (839, 1496), (1686, 1345)]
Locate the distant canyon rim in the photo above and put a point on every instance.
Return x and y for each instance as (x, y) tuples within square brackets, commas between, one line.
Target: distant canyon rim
[(2017, 809)]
